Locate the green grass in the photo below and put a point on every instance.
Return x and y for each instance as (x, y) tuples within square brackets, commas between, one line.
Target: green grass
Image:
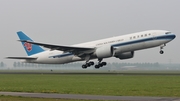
[(119, 85)]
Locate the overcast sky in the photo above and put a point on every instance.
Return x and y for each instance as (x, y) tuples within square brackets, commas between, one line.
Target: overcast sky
[(67, 22)]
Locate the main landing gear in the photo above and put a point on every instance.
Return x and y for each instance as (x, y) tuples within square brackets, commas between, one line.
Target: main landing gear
[(88, 64), (161, 47), (100, 64)]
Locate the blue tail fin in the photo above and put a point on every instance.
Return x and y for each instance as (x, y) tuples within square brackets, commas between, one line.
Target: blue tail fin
[(29, 48)]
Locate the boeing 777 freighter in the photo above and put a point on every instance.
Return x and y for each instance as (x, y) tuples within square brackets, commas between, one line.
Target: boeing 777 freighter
[(122, 47)]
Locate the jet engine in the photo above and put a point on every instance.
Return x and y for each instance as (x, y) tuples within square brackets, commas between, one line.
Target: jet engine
[(104, 51), (125, 55)]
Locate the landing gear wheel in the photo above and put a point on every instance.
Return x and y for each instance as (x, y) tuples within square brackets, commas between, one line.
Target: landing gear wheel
[(84, 66), (104, 63), (97, 66), (88, 64), (100, 65), (92, 63), (161, 52)]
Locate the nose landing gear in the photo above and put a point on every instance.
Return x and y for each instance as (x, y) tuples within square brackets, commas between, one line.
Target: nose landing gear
[(161, 47)]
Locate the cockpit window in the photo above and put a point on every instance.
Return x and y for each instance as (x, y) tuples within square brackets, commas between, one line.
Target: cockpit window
[(168, 33)]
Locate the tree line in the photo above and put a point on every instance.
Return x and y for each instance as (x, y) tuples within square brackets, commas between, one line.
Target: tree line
[(77, 65), (19, 64), (2, 64)]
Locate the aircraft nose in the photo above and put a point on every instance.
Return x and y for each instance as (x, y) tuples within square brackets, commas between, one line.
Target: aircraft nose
[(173, 36), (170, 35)]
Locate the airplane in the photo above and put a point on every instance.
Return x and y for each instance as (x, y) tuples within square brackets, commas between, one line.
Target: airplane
[(121, 47)]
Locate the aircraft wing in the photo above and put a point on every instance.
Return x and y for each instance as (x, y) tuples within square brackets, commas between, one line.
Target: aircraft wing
[(27, 58), (72, 49)]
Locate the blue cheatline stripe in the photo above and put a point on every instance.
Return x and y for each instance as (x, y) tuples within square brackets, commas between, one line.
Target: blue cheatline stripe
[(144, 40), (125, 43), (169, 36), (61, 55)]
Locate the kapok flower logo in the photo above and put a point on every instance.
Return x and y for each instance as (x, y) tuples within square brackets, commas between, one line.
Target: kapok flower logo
[(28, 46)]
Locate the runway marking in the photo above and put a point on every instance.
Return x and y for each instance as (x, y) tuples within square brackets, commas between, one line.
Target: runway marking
[(89, 97)]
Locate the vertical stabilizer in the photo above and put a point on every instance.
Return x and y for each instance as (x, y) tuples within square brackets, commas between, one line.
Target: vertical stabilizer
[(29, 48)]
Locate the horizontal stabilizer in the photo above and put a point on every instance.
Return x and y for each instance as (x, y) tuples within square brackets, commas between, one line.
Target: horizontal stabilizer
[(26, 58)]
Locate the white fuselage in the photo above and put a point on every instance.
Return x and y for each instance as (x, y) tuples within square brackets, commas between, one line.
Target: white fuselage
[(121, 44)]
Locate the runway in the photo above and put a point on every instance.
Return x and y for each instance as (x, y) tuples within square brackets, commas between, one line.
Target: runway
[(89, 97)]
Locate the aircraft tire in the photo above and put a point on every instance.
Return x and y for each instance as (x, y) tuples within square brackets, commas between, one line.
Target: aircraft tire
[(97, 66), (84, 66), (104, 63), (92, 63), (161, 52)]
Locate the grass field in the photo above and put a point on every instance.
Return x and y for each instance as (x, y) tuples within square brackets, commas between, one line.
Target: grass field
[(119, 85)]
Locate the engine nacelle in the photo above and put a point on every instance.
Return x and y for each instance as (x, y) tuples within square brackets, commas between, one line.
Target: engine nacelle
[(125, 55), (104, 51)]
